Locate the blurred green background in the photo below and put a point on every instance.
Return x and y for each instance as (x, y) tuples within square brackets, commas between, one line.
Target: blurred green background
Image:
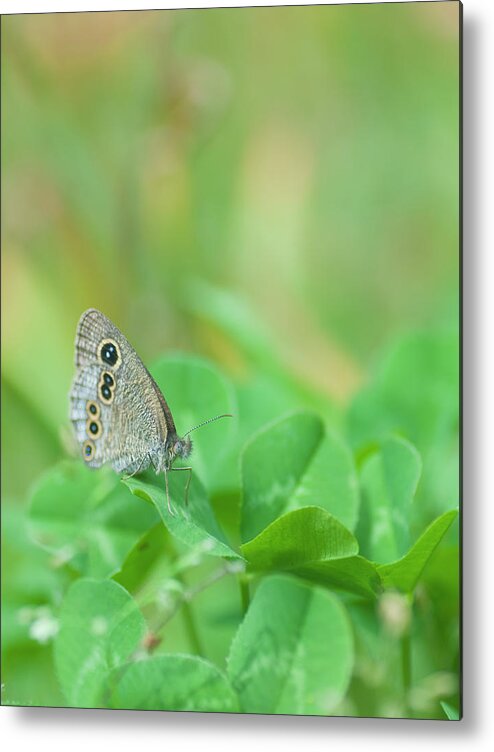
[(303, 159), (276, 189)]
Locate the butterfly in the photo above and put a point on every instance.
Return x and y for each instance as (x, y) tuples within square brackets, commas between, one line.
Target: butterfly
[(118, 411)]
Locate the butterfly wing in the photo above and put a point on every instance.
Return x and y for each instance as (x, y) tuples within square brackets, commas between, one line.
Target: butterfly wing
[(118, 412)]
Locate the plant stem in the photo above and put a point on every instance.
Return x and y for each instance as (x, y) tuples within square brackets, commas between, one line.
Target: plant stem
[(190, 625), (152, 640), (406, 663), (189, 618), (244, 592), (188, 612), (406, 657)]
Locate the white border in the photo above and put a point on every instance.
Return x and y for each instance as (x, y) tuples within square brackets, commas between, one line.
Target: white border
[(45, 6)]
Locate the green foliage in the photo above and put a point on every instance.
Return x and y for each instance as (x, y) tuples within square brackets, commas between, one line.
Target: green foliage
[(193, 524), (86, 518), (185, 381), (290, 462), (100, 626), (150, 621), (32, 587), (451, 712), (294, 651), (414, 394), (312, 544), (173, 682), (404, 573), (138, 565), (414, 391), (389, 482)]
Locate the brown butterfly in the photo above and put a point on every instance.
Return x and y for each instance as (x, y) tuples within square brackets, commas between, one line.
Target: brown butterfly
[(117, 409)]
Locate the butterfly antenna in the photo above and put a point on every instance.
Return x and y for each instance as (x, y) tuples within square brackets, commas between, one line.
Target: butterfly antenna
[(225, 415)]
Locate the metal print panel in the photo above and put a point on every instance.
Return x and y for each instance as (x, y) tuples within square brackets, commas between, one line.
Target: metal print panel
[(249, 214)]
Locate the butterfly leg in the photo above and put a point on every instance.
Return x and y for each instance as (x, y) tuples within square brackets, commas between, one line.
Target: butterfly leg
[(168, 495), (188, 482)]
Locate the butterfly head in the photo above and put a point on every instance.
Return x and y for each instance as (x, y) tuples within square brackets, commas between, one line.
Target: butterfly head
[(180, 448)]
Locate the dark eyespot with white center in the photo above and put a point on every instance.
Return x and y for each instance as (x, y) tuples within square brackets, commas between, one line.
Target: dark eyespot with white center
[(94, 428), (109, 353), (92, 409), (88, 450), (106, 393)]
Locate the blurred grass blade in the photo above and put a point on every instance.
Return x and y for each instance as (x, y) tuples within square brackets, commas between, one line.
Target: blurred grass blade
[(232, 315), (248, 333), (451, 712)]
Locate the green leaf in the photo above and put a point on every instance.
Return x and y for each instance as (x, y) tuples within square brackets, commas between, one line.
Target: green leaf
[(262, 399), (100, 627), (141, 559), (294, 463), (354, 575), (293, 653), (173, 682), (389, 482), (194, 524), (32, 574), (87, 518), (312, 544), (404, 573), (414, 391), (451, 713), (442, 580), (150, 575), (195, 392), (308, 534), (34, 582)]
